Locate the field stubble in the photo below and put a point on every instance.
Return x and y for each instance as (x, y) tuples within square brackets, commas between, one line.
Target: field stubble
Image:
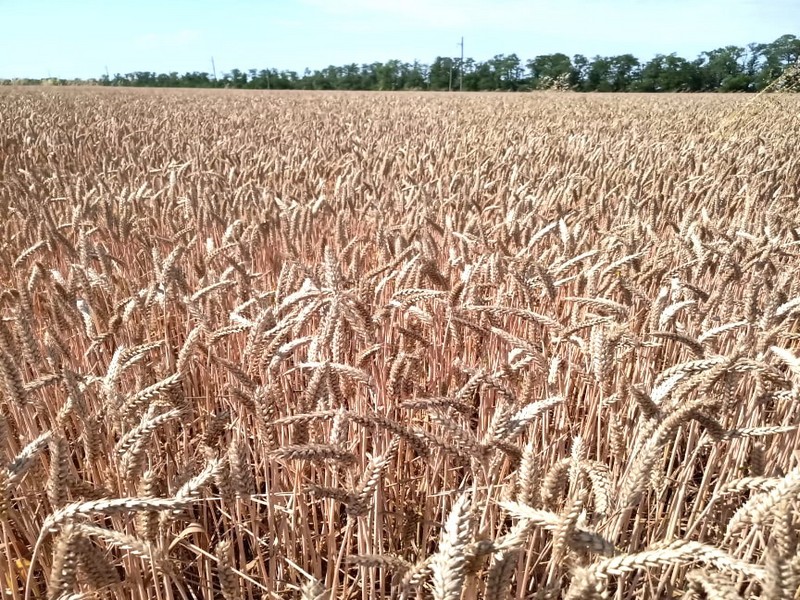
[(363, 346)]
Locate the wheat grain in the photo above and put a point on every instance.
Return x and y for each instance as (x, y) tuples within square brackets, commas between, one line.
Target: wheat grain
[(63, 573), (448, 564), (301, 304)]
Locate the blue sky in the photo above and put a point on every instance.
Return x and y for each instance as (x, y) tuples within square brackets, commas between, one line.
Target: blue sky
[(80, 38)]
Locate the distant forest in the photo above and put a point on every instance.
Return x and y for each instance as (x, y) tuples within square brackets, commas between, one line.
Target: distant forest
[(728, 69)]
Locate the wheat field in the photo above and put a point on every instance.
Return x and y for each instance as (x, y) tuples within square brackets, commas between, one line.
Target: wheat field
[(361, 346)]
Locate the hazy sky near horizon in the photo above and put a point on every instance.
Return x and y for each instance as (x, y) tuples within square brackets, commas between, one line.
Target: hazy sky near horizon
[(70, 38)]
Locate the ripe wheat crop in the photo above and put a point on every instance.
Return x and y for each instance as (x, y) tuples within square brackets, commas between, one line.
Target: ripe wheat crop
[(340, 346)]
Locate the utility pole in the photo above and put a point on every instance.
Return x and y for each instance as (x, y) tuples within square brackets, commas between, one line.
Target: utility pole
[(461, 67)]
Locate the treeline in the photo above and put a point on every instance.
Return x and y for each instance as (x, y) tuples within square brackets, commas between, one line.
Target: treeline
[(728, 69)]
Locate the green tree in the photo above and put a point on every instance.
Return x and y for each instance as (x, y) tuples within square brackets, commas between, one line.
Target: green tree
[(623, 72), (412, 76), (236, 79), (580, 71), (470, 75), (775, 57), (351, 77), (669, 73), (598, 77), (511, 72), (547, 68), (501, 73), (441, 73), (731, 68), (389, 75), (369, 77), (785, 50), (485, 77), (724, 69)]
